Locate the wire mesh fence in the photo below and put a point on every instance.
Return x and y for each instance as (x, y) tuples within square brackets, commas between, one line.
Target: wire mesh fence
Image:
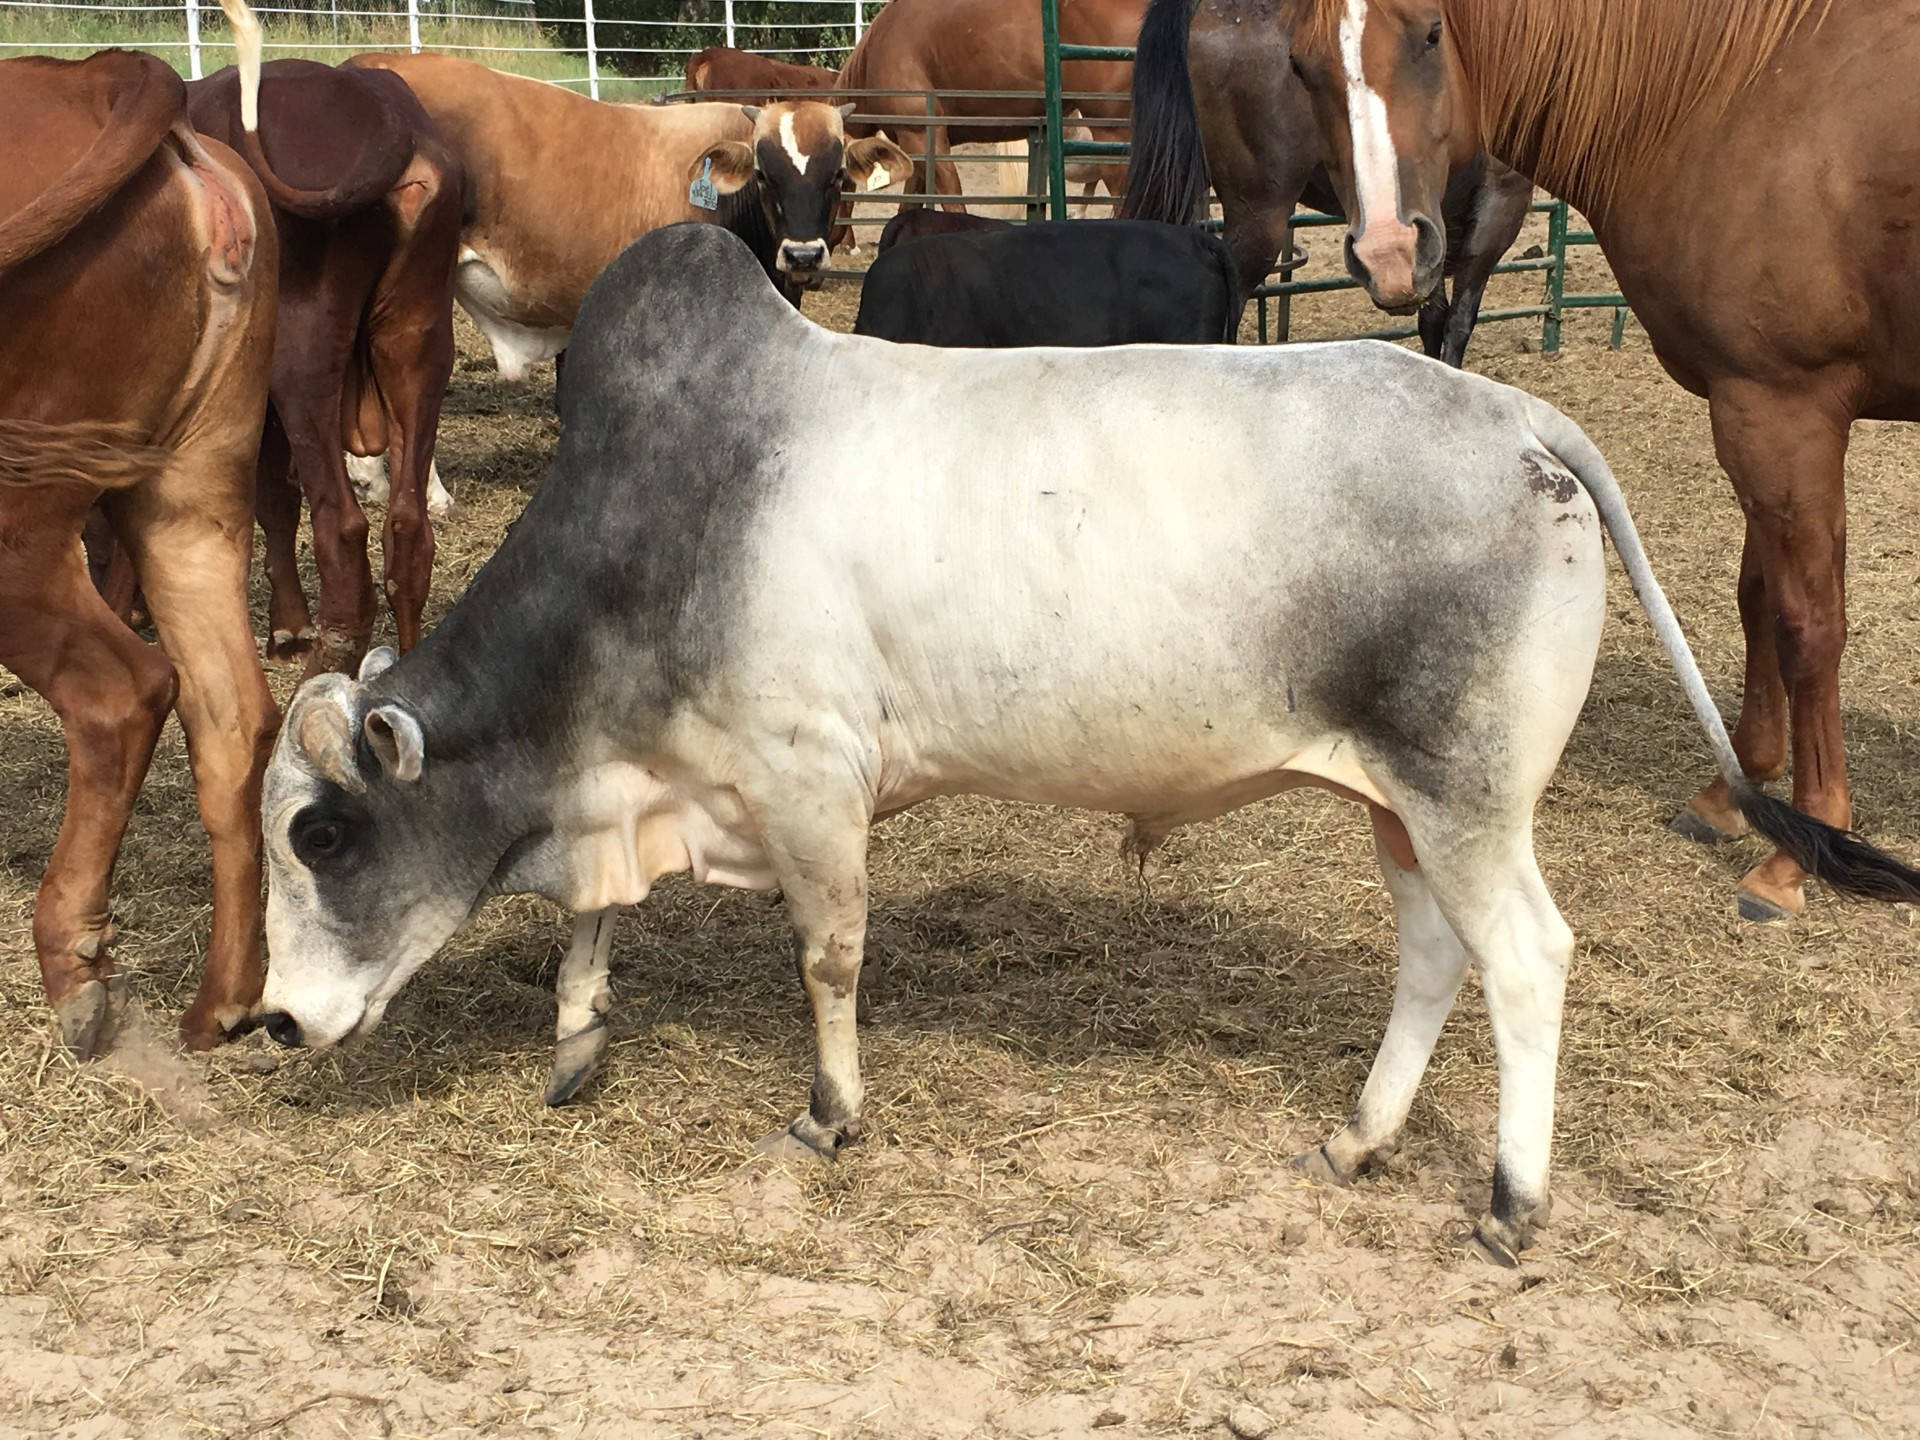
[(621, 47)]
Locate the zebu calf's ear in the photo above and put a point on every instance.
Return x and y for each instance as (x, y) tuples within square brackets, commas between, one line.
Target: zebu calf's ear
[(376, 661), (876, 162), (732, 165), (397, 743), (321, 721)]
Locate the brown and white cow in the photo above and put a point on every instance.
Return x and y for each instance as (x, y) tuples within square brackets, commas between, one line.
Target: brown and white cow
[(137, 286), (558, 185), (795, 169)]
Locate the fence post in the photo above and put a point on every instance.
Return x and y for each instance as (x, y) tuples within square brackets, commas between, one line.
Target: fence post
[(413, 26), (859, 19), (1556, 277), (729, 24), (193, 39), (593, 56), (1056, 121)]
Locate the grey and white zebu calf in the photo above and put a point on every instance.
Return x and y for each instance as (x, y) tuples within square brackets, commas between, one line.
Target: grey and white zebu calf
[(735, 626)]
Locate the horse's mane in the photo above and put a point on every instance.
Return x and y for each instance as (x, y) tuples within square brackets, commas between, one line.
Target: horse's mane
[(1580, 93)]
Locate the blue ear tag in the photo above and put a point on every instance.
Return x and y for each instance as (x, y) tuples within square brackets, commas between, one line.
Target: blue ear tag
[(701, 191)]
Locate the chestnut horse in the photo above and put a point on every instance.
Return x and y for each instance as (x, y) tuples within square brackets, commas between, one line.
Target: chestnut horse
[(1750, 169), (988, 45)]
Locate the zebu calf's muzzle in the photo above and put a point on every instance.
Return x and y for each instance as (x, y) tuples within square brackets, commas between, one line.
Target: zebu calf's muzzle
[(283, 1028)]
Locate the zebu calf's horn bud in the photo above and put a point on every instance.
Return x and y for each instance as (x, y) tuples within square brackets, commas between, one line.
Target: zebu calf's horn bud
[(322, 722)]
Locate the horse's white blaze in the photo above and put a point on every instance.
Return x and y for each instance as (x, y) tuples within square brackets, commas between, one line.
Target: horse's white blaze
[(790, 143), (1383, 241)]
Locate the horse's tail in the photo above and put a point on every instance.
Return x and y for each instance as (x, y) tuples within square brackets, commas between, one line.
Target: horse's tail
[(1842, 859), (357, 191), (99, 454), (144, 106), (1167, 176)]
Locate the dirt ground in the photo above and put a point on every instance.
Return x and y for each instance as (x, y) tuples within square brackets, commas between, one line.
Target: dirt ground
[(1074, 1213)]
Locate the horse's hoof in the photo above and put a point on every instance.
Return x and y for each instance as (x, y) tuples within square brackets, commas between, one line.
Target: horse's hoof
[(575, 1059), (1315, 1165), (1760, 910), (1691, 825), (86, 1019)]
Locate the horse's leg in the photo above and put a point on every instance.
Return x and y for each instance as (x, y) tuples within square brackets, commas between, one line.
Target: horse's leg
[(946, 175), (191, 535), (1436, 313), (1760, 739), (112, 693), (1254, 230), (1787, 456), (276, 502), (1498, 209)]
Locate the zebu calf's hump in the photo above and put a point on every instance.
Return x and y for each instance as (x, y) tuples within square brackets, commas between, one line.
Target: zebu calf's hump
[(677, 419)]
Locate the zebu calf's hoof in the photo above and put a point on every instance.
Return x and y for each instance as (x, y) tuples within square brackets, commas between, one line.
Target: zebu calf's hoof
[(1500, 1240), (575, 1059), (87, 1015), (808, 1139), (1318, 1165)]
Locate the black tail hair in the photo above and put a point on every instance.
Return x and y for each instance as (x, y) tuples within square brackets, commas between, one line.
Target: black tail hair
[(1167, 176), (1838, 857)]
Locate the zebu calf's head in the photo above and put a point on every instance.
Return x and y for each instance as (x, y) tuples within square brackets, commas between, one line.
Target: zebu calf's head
[(800, 164), (366, 877)]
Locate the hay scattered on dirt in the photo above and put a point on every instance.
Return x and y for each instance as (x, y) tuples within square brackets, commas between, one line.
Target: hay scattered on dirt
[(1074, 1212)]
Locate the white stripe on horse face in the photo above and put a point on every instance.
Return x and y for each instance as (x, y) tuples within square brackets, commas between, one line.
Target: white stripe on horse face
[(1376, 169), (791, 143)]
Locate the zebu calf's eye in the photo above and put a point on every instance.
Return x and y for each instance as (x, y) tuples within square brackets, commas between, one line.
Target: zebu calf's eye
[(318, 836)]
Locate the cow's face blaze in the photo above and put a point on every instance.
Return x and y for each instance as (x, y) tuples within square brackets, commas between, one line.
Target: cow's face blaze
[(802, 165)]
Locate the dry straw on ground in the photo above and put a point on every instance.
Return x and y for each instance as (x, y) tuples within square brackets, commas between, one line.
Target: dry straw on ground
[(1073, 1214)]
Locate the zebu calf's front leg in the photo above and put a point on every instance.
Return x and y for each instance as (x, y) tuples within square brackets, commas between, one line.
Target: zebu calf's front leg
[(585, 996), (826, 897)]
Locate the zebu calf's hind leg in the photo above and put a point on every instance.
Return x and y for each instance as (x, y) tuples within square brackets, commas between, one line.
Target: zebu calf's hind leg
[(585, 997), (1498, 905), (1432, 964)]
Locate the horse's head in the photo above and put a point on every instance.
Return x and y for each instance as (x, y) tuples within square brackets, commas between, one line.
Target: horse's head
[(1396, 119)]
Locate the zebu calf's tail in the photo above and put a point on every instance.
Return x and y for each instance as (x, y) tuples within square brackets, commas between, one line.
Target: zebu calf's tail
[(1841, 859)]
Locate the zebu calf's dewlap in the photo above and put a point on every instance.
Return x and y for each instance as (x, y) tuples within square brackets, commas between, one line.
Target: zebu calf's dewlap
[(1158, 581)]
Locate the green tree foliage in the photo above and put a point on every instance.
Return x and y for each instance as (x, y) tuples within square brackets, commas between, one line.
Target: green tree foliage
[(625, 30)]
